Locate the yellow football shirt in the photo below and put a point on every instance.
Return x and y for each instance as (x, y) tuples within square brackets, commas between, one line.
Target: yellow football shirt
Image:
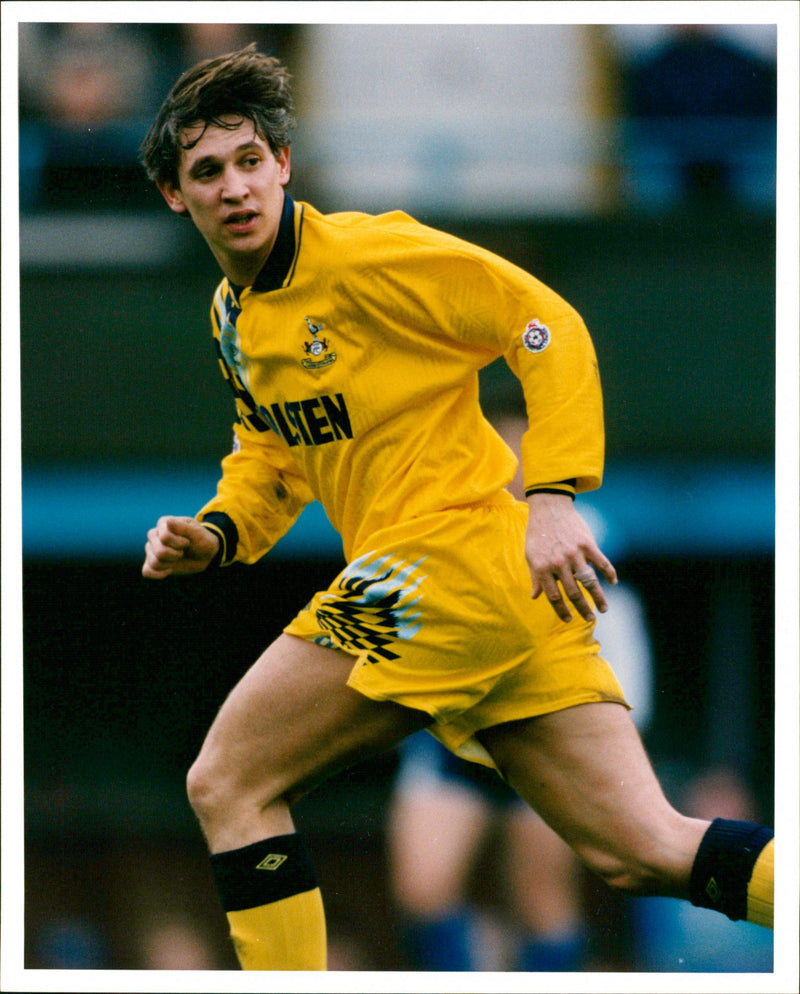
[(354, 360)]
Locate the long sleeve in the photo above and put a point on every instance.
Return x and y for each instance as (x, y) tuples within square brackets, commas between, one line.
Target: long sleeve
[(259, 497), (555, 361)]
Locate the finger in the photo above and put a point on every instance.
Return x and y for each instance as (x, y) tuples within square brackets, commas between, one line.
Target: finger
[(611, 575), (606, 568), (154, 574), (553, 593), (181, 525), (587, 578), (575, 595), (159, 551), (172, 533), (154, 570)]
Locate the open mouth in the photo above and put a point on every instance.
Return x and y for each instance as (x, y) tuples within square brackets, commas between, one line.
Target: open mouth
[(241, 220)]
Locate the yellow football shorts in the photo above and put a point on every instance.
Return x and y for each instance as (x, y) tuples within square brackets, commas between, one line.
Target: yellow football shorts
[(439, 616)]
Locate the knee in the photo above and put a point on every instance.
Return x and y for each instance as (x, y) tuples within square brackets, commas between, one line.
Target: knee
[(204, 789), (219, 791), (214, 788)]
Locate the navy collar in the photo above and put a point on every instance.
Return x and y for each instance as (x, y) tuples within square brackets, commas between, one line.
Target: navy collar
[(281, 259)]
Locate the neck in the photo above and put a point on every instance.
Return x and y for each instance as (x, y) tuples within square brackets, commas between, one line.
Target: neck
[(243, 272)]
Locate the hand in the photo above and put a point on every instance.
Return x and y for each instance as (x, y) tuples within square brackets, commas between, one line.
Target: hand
[(559, 546), (178, 546)]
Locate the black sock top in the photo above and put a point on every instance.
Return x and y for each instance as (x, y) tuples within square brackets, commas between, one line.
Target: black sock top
[(724, 864), (263, 872)]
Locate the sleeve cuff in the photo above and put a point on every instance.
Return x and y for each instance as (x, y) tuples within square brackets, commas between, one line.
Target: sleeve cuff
[(226, 531), (565, 488)]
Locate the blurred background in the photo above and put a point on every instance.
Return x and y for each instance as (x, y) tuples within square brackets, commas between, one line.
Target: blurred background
[(632, 168)]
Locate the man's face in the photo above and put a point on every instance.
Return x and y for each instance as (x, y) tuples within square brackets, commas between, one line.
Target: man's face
[(231, 184)]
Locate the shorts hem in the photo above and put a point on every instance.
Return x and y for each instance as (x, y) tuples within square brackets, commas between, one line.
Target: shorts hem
[(457, 734)]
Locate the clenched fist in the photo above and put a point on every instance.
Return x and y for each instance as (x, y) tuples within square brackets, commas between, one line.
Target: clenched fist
[(177, 547)]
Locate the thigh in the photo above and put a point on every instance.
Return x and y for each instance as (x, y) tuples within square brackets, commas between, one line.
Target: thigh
[(585, 770), (292, 721)]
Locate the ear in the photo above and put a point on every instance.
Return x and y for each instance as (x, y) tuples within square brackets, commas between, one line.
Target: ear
[(173, 197), (284, 160)]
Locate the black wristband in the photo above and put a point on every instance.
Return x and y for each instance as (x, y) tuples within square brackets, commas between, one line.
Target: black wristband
[(226, 531), (550, 490), (217, 560), (564, 488)]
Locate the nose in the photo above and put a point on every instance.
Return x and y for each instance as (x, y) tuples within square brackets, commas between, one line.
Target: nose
[(234, 185)]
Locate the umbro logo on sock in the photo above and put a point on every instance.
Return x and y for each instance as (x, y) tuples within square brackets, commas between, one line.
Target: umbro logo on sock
[(271, 862), (713, 890)]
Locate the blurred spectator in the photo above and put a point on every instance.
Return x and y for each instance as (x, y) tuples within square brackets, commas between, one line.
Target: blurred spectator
[(85, 93), (88, 93), (70, 944), (699, 111), (204, 41), (81, 75), (175, 944), (673, 936)]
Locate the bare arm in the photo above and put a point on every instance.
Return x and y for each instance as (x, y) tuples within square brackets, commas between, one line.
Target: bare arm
[(178, 546), (559, 546)]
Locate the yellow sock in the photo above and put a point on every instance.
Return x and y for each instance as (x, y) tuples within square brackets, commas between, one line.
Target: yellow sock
[(270, 894), (761, 889), (284, 935)]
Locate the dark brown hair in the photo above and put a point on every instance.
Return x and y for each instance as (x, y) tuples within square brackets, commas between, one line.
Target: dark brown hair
[(246, 85)]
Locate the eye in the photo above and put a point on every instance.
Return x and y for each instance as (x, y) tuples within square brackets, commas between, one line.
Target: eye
[(251, 161), (206, 172)]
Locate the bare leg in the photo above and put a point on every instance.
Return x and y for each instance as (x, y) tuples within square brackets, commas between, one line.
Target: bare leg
[(585, 771), (288, 724)]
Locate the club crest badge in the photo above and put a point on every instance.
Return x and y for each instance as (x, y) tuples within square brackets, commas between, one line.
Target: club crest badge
[(536, 336), (317, 351)]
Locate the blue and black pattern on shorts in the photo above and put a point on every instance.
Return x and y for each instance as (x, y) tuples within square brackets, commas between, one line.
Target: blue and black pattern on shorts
[(377, 603)]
